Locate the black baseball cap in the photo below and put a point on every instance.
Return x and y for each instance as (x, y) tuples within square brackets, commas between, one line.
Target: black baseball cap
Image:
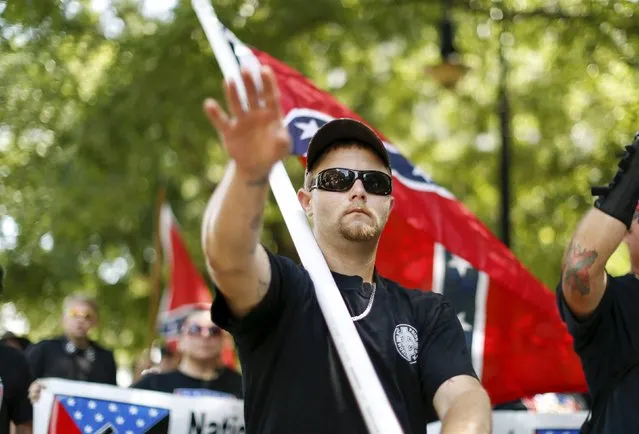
[(340, 130)]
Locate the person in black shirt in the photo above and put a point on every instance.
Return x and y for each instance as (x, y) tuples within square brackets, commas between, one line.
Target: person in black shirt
[(15, 408), (602, 311), (294, 381), (72, 356), (14, 384), (200, 372)]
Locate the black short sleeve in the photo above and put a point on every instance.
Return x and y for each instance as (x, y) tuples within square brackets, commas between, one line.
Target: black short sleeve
[(608, 330), (290, 285), (444, 353), (585, 329), (20, 410)]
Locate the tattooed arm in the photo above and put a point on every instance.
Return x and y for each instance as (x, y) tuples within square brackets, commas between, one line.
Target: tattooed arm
[(255, 138), (583, 269), (231, 232)]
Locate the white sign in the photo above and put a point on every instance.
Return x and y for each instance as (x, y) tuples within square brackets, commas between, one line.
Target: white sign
[(525, 422), (72, 406)]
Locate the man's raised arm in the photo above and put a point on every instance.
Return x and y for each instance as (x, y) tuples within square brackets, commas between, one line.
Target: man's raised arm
[(255, 140), (598, 235)]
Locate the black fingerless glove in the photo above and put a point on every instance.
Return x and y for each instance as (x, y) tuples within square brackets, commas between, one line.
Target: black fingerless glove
[(619, 198)]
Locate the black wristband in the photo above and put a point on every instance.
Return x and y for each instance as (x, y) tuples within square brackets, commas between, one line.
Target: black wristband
[(619, 198)]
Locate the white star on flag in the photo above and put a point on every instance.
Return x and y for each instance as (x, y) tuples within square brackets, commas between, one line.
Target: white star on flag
[(99, 417), (133, 410), (88, 429), (466, 326), (71, 402), (113, 408), (460, 264), (308, 128), (119, 420), (91, 405), (153, 412), (77, 415), (139, 423)]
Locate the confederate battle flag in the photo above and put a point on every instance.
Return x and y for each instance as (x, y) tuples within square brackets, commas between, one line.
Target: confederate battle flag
[(519, 345)]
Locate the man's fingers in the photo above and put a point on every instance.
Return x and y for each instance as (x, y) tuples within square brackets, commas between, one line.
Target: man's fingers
[(233, 98), (216, 115), (271, 93), (251, 90)]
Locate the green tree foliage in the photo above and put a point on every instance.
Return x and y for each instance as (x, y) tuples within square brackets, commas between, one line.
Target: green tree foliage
[(102, 108)]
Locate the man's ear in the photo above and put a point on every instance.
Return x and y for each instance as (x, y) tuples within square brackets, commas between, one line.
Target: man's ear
[(304, 196)]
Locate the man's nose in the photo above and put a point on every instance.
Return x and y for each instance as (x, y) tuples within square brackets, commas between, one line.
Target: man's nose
[(357, 190)]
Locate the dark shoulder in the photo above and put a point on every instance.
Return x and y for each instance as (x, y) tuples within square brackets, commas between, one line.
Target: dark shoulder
[(100, 349), (283, 263), (417, 297), (231, 375), (10, 355), (45, 345), (151, 380), (425, 306), (629, 281)]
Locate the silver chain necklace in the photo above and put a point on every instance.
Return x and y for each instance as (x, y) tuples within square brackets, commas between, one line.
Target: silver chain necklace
[(368, 307)]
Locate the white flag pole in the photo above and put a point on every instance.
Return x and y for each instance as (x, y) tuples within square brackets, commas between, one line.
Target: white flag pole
[(373, 402)]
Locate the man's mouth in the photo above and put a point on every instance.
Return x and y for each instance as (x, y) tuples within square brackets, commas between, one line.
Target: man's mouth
[(358, 211)]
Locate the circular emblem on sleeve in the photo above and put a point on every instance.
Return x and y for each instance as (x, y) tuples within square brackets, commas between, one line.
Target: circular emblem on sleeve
[(406, 342)]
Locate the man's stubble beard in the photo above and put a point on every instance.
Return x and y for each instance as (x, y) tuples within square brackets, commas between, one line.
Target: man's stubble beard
[(360, 232)]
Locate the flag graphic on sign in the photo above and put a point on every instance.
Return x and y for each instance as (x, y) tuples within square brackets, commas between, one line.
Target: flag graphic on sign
[(78, 415), (519, 344)]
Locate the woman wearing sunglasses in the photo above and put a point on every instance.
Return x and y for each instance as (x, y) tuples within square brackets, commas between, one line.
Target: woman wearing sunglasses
[(200, 372), (293, 380)]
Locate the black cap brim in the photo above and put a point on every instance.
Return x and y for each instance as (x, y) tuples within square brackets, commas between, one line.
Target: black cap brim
[(343, 130)]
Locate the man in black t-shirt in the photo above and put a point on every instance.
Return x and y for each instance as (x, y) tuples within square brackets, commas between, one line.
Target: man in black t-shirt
[(200, 372), (72, 356), (602, 311), (294, 382), (16, 413), (14, 384)]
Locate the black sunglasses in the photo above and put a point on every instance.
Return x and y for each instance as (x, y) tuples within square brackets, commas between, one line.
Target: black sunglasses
[(197, 330), (340, 179)]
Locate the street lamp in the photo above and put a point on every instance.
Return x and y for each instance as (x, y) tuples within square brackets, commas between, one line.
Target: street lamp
[(450, 70)]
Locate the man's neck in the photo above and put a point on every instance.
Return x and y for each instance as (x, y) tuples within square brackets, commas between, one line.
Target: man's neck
[(202, 370), (351, 258)]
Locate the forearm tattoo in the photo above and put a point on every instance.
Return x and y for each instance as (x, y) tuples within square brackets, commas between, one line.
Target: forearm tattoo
[(576, 268), (256, 222)]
